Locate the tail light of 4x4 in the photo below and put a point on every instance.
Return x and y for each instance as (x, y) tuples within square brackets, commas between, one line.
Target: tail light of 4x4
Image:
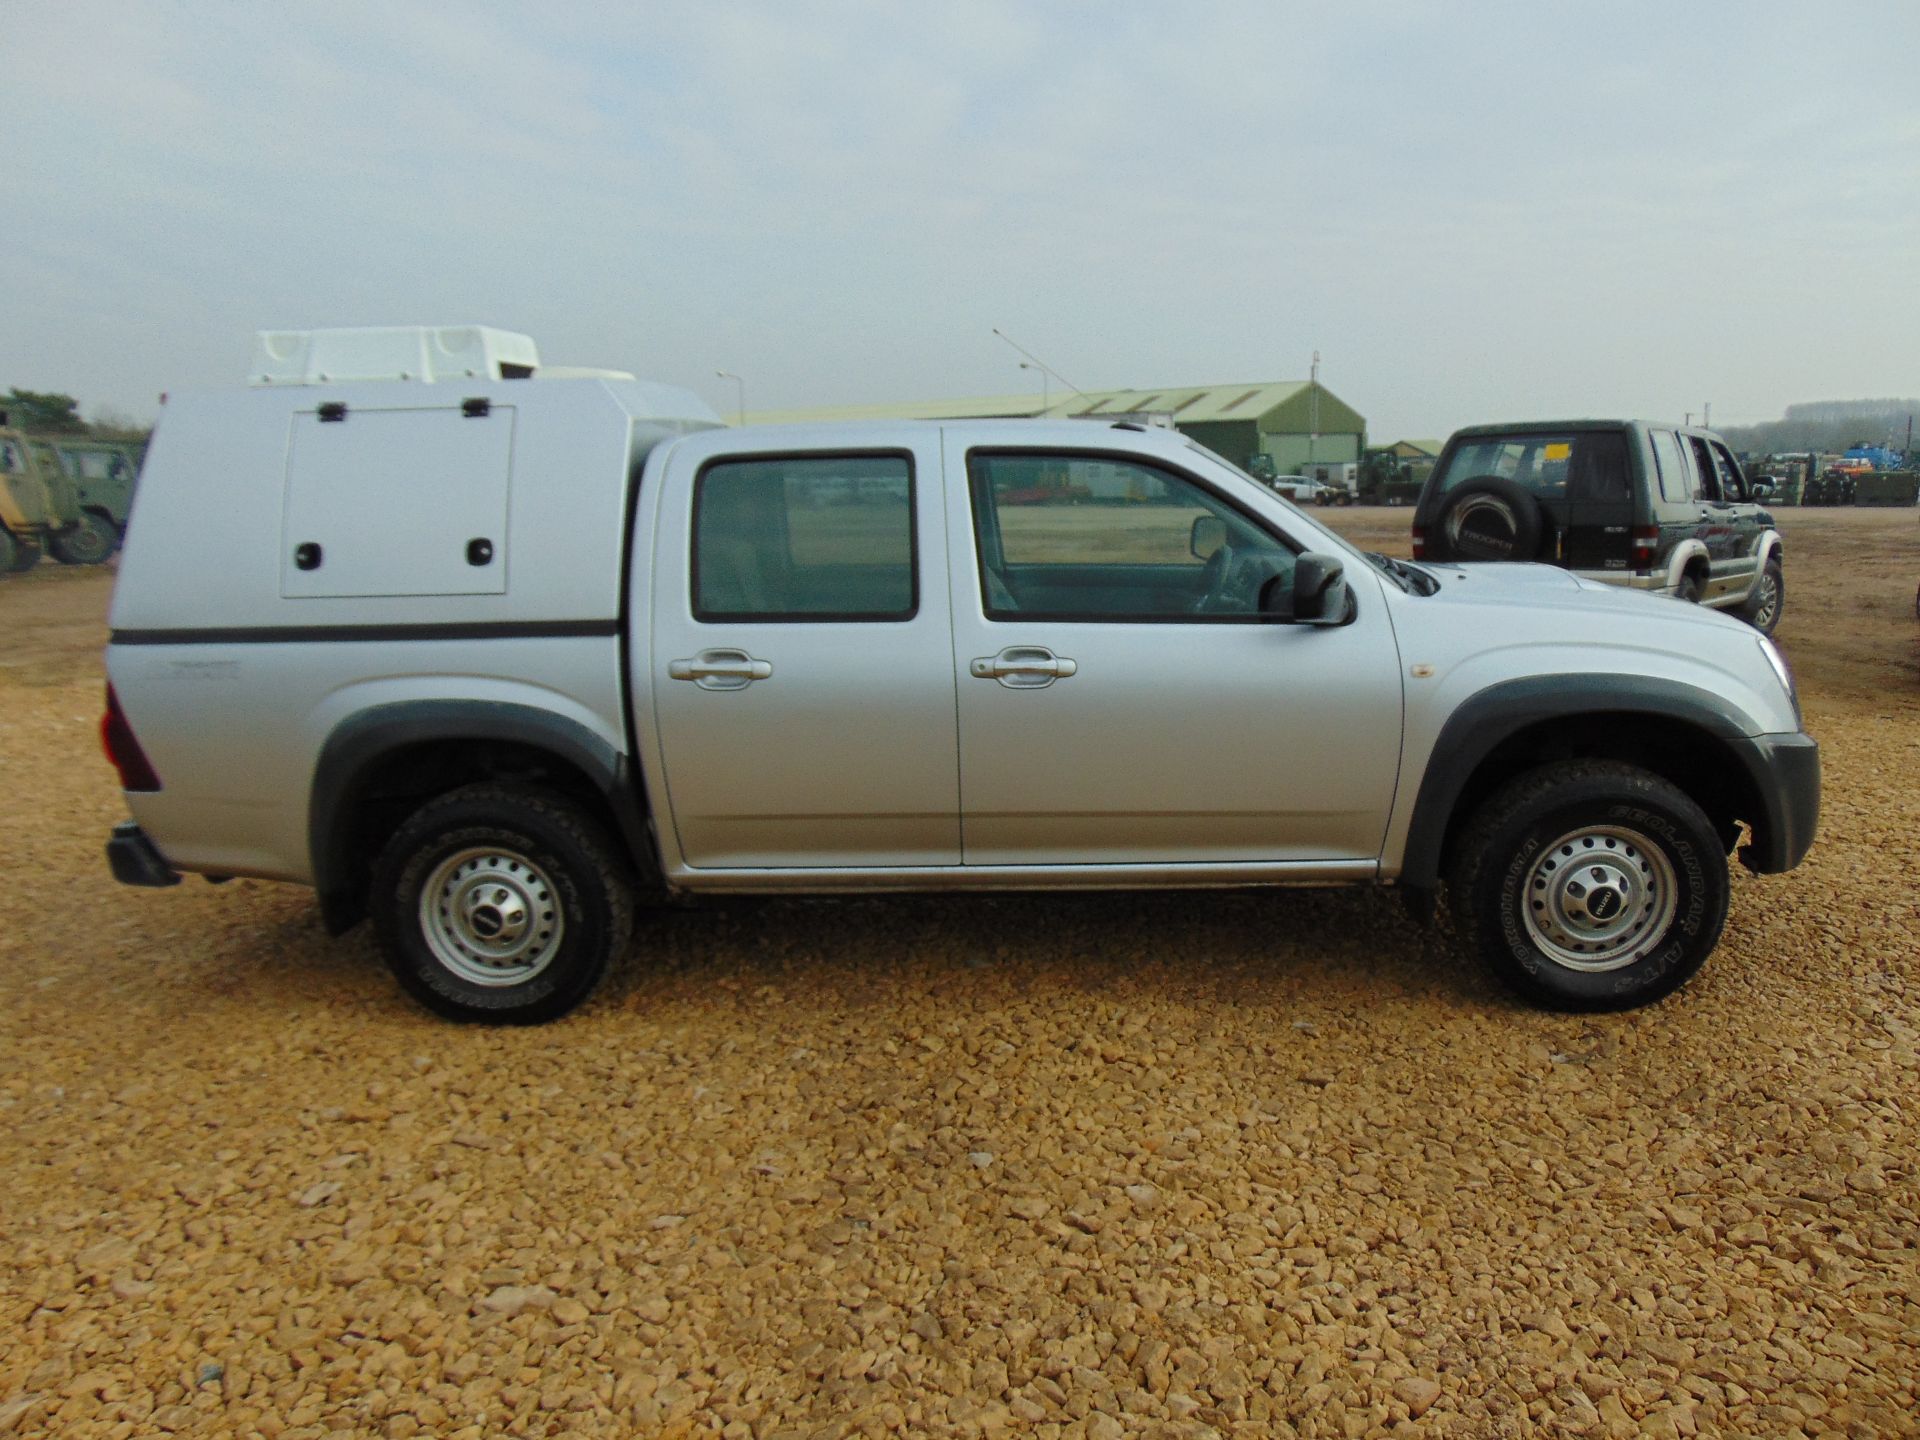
[(1419, 542), (1646, 539), (123, 748)]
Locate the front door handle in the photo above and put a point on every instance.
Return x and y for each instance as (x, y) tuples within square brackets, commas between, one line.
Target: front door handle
[(1023, 667), (721, 669)]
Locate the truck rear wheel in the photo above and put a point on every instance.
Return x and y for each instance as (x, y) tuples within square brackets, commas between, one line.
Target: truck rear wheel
[(501, 903), (90, 542), (1590, 885)]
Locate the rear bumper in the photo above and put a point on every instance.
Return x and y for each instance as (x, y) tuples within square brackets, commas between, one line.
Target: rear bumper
[(1785, 771), (135, 861)]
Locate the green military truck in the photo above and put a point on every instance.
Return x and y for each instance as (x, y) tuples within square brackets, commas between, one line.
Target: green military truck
[(103, 473), (1386, 479), (68, 497)]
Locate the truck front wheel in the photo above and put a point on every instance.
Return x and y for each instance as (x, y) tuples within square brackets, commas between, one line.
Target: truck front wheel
[(1590, 885), (501, 903), (91, 542)]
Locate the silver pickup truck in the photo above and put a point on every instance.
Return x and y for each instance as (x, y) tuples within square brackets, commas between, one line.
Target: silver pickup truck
[(497, 658)]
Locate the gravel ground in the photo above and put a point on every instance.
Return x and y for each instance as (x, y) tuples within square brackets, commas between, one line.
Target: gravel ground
[(1168, 1165)]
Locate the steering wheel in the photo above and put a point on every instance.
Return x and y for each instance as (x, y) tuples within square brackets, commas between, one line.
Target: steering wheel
[(1214, 581)]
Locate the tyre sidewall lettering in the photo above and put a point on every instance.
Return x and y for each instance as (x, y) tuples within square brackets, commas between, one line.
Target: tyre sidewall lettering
[(1684, 854)]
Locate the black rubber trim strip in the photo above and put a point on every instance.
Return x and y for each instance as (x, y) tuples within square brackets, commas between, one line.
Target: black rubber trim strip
[(1483, 720), (360, 741), (1785, 771), (315, 634)]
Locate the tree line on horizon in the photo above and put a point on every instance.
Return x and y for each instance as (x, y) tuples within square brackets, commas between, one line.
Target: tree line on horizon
[(1827, 426), (50, 412)]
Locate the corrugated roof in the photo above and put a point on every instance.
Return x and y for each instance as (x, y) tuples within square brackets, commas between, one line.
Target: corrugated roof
[(1193, 404)]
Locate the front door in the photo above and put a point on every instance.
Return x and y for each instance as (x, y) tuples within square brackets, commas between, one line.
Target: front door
[(1719, 518), (803, 664), (1744, 549), (1120, 699)]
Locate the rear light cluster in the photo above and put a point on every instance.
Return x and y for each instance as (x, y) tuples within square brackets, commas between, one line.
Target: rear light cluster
[(1419, 542), (123, 749), (1646, 539)]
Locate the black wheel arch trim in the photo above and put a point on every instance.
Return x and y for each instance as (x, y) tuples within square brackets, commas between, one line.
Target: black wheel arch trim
[(1489, 718), (361, 740)]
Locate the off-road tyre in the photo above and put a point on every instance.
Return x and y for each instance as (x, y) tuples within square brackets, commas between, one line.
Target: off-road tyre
[(16, 555), (1487, 517), (554, 863), (1691, 589), (91, 542), (1768, 598), (1499, 878)]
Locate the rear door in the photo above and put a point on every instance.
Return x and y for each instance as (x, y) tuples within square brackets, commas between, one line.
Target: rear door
[(1120, 700), (1599, 534), (802, 656)]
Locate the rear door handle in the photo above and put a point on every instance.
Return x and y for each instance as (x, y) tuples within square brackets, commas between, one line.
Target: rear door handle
[(1023, 667), (721, 669)]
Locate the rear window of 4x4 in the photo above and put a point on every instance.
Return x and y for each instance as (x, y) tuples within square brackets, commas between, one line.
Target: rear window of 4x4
[(1590, 465)]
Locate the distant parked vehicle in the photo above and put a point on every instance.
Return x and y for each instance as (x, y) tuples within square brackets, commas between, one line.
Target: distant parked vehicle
[(1647, 506), (67, 497), (103, 473)]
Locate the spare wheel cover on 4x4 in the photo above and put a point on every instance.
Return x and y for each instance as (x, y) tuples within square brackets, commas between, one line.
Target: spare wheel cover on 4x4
[(1488, 518)]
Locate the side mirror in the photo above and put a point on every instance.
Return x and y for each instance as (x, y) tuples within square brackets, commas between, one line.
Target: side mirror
[(1319, 589), (1209, 534), (1761, 489)]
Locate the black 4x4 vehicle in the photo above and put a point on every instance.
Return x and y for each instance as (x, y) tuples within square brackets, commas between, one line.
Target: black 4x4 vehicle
[(1654, 507)]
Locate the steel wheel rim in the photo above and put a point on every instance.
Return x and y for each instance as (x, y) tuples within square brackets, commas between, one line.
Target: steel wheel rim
[(491, 916), (94, 544), (1599, 898)]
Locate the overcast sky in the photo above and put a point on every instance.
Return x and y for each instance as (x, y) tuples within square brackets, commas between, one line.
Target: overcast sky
[(1472, 212)]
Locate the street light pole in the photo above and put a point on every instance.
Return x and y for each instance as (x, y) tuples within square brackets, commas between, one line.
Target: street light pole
[(741, 386), (1313, 408), (1046, 385)]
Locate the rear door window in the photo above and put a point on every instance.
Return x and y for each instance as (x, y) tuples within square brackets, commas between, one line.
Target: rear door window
[(1599, 472), (1542, 465), (804, 537)]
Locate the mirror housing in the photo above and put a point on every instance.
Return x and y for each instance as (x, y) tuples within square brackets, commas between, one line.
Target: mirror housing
[(1208, 535), (1319, 589), (1761, 488)]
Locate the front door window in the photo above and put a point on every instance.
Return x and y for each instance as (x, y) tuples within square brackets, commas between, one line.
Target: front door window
[(1081, 537)]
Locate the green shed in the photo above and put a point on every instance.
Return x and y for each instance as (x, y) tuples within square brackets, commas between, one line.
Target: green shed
[(1295, 423)]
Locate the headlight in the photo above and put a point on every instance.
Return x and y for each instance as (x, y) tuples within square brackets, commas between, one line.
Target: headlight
[(1779, 664)]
